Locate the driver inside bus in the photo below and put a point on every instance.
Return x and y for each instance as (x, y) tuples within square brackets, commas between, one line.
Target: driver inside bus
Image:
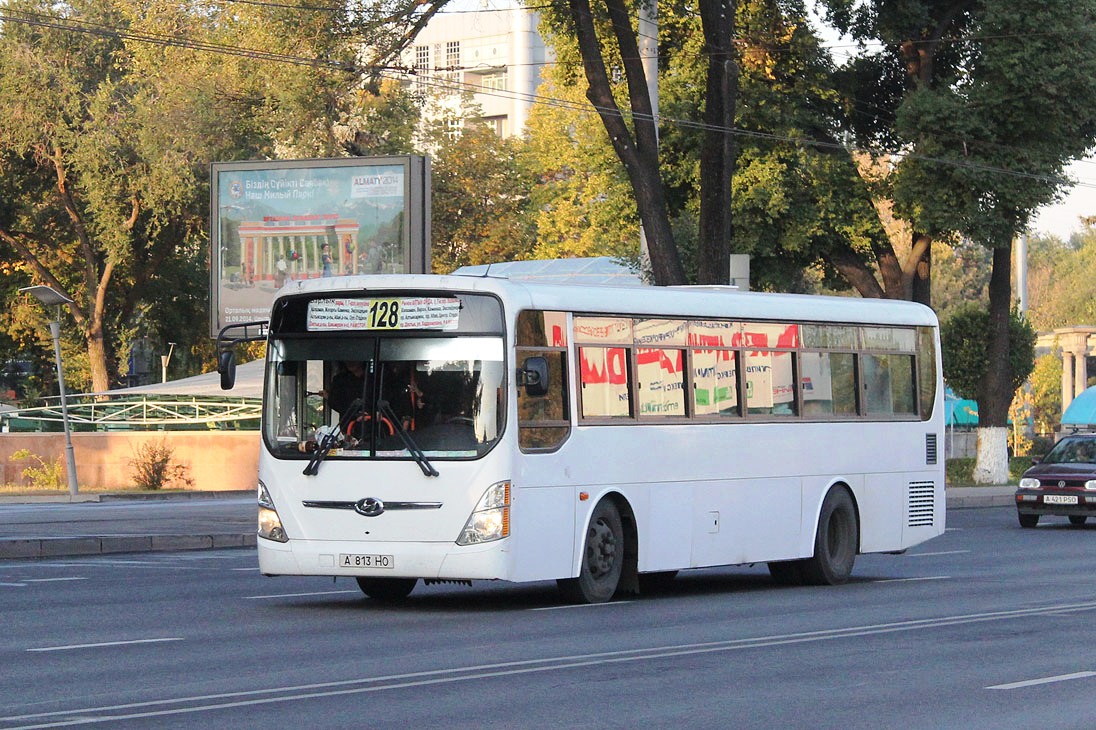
[(347, 385)]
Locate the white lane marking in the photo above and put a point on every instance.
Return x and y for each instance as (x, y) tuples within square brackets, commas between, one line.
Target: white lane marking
[(1044, 680), (912, 580), (300, 595), (103, 644), (13, 585), (245, 569), (362, 685), (50, 580), (580, 605), (941, 552)]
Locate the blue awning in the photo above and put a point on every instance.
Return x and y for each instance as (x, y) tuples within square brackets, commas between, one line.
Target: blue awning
[(1082, 409), (959, 411)]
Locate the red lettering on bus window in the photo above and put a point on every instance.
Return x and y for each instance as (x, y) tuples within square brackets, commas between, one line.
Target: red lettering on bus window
[(604, 365), (557, 336), (789, 337), (592, 371), (618, 366)]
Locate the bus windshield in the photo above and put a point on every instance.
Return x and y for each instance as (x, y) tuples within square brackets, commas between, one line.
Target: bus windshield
[(384, 397)]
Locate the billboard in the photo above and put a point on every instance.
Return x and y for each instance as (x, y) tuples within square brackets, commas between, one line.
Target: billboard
[(276, 221)]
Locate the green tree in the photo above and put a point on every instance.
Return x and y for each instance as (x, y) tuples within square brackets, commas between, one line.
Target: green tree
[(966, 340), (100, 202), (582, 203), (1046, 394), (480, 197), (1059, 282), (113, 112), (990, 101)]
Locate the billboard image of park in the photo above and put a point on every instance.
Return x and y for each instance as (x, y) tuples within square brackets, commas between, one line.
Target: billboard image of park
[(275, 222)]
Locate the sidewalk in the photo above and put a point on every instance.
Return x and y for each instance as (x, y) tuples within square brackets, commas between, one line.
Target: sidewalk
[(51, 527), (97, 524)]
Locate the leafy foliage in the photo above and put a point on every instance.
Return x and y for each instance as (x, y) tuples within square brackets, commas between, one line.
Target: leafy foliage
[(964, 341), (41, 474), (154, 467)]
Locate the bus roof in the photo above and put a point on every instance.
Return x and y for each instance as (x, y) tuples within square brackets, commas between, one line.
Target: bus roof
[(673, 301)]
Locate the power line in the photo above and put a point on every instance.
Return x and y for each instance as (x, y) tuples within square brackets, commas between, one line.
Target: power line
[(164, 40)]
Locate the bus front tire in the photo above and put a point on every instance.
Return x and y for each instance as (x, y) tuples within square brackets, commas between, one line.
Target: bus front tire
[(835, 543), (602, 558), (387, 589)]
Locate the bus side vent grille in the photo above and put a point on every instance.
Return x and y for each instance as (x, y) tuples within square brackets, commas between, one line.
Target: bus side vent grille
[(930, 448), (921, 503)]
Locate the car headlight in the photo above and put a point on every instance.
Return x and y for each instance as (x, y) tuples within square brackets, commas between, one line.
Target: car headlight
[(1090, 484), (270, 524), (1030, 483), (490, 520)]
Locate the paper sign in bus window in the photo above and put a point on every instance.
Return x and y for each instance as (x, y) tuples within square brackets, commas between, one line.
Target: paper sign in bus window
[(604, 378)]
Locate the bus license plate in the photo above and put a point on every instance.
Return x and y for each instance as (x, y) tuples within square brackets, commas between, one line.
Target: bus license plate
[(1059, 499), (366, 561)]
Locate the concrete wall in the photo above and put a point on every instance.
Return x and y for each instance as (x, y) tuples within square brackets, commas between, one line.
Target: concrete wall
[(957, 444), (216, 460)]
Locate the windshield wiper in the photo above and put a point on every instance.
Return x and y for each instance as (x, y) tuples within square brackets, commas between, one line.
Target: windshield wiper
[(416, 453), (331, 438)]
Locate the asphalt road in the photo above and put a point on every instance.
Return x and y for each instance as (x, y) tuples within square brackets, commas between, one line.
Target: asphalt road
[(989, 626)]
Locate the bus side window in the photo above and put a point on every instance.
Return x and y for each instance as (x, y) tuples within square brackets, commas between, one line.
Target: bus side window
[(544, 422)]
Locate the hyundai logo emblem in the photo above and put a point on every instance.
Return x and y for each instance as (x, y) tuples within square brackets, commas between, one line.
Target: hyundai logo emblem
[(369, 507)]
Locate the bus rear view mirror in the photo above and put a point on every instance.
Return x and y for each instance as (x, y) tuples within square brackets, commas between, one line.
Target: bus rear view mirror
[(534, 376), (226, 366)]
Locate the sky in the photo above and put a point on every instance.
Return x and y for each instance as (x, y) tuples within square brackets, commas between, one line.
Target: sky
[(1062, 219)]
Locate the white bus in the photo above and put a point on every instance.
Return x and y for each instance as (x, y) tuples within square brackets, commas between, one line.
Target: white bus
[(602, 437)]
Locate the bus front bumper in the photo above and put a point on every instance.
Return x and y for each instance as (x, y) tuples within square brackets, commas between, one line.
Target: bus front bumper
[(447, 561)]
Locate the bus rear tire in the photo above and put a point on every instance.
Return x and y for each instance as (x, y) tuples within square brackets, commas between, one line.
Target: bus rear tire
[(602, 558), (835, 543), (387, 589)]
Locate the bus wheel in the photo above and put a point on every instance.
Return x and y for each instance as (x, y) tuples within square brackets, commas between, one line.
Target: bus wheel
[(602, 561), (835, 543), (387, 589)]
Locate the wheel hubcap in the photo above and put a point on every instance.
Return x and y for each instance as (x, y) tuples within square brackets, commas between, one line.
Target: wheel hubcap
[(601, 549)]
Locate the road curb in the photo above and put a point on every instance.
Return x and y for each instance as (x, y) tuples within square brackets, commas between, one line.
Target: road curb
[(996, 500), (61, 547), (123, 496)]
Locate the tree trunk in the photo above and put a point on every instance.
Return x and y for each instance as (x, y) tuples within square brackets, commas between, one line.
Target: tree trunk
[(922, 279), (996, 392), (991, 465), (718, 148), (638, 153)]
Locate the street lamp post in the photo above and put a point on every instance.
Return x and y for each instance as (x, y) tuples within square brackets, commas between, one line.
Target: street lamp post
[(49, 296), (164, 360)]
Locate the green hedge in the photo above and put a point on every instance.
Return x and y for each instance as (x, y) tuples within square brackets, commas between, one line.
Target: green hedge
[(960, 472)]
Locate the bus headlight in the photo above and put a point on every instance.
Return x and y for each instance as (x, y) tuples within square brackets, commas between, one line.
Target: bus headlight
[(491, 518), (270, 524)]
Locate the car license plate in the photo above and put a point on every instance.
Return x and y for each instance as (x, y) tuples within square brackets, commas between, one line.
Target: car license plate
[(1059, 499), (366, 561)]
